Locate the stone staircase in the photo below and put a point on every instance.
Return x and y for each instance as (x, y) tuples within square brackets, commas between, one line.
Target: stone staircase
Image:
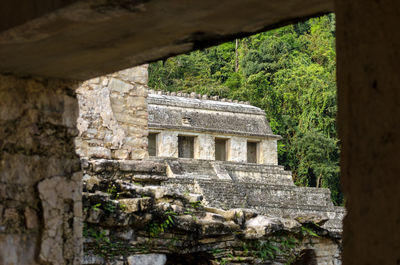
[(268, 189)]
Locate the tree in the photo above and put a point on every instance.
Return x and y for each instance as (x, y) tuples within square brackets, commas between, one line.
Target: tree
[(290, 73)]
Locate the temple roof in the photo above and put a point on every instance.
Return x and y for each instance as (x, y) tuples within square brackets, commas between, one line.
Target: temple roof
[(192, 112)]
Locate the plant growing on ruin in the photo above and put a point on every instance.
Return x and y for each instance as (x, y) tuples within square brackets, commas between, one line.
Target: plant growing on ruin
[(156, 228)]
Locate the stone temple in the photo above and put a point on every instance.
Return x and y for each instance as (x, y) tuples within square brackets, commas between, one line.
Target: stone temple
[(48, 49), (226, 151), (178, 178), (192, 126)]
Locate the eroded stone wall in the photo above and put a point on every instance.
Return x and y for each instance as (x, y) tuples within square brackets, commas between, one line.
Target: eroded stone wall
[(113, 115), (40, 179), (131, 219)]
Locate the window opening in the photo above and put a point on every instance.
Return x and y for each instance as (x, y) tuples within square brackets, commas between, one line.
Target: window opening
[(152, 144), (252, 152), (221, 149), (186, 146)]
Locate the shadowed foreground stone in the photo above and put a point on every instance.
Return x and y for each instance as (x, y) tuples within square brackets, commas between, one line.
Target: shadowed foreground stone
[(70, 42), (40, 179), (126, 218)]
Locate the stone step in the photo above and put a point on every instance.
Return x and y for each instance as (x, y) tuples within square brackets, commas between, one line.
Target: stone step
[(234, 171)]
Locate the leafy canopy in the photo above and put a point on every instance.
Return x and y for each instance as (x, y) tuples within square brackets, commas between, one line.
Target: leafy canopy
[(290, 73)]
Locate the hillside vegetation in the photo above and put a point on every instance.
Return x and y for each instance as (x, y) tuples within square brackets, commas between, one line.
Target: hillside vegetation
[(290, 73)]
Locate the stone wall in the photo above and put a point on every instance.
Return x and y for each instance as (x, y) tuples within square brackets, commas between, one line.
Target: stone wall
[(369, 128), (113, 115), (268, 152), (173, 114), (40, 179), (131, 219), (204, 147), (167, 144), (237, 149)]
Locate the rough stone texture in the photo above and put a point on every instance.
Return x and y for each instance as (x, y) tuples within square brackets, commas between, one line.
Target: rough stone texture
[(40, 183), (113, 115), (124, 220), (70, 42), (368, 121), (237, 149), (147, 259), (199, 115), (268, 189), (61, 238), (206, 119), (167, 144), (269, 152), (204, 147)]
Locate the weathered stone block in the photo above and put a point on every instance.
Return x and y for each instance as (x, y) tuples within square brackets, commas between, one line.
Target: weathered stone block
[(116, 85), (131, 205), (147, 259), (107, 113)]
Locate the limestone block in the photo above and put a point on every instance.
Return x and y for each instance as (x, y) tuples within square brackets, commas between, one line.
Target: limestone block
[(204, 147), (147, 259), (149, 178), (269, 152), (119, 86), (237, 149), (99, 152), (137, 74), (193, 197), (168, 144), (92, 260), (121, 154), (62, 229), (262, 226), (142, 166), (131, 205), (126, 234), (135, 102), (113, 115)]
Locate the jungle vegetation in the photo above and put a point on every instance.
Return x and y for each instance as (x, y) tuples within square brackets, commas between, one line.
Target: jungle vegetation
[(290, 73)]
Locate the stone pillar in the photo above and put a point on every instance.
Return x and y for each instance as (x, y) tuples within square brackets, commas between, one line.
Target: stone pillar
[(368, 50), (204, 147), (237, 150), (268, 152), (40, 179), (113, 115), (168, 144)]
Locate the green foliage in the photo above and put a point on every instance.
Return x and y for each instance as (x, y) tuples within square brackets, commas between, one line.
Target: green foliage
[(96, 207), (155, 228), (290, 73), (102, 245)]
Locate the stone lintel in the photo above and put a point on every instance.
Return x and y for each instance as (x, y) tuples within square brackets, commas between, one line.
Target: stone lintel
[(155, 127), (84, 39)]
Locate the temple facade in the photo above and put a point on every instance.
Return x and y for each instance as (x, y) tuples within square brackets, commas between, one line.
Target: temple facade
[(195, 126), (226, 151), (210, 163)]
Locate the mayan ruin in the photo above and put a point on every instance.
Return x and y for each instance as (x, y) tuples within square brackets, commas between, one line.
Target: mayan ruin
[(99, 164), (210, 176)]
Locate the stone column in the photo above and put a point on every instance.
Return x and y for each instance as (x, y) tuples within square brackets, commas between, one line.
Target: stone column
[(168, 144), (368, 56), (268, 152), (237, 150), (204, 147), (40, 179)]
